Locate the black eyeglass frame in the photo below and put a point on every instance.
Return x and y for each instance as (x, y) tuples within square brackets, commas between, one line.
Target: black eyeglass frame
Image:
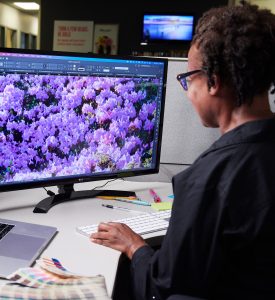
[(182, 77)]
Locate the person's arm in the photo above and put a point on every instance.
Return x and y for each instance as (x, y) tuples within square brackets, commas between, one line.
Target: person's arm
[(190, 256), (118, 236)]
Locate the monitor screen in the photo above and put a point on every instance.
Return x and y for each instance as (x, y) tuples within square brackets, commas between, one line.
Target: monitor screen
[(167, 28), (68, 118)]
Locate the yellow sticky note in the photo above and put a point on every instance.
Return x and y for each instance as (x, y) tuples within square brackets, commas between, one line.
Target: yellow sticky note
[(162, 205)]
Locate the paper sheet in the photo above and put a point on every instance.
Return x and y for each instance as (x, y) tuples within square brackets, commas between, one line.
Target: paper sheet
[(162, 205)]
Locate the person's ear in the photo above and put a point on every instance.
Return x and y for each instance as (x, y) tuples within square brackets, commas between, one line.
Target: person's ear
[(215, 83)]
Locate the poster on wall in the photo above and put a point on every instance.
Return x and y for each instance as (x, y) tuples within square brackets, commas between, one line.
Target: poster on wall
[(106, 39), (73, 36)]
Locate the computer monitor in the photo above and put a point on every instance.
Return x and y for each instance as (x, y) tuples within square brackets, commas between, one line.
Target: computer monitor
[(167, 28), (68, 118)]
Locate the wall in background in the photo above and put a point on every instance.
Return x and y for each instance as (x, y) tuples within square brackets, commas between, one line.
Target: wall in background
[(128, 15), (15, 23), (270, 4)]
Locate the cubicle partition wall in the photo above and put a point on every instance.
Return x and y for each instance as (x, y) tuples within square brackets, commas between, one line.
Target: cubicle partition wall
[(184, 137)]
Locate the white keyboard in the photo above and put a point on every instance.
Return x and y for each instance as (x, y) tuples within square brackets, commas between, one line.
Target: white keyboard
[(141, 224)]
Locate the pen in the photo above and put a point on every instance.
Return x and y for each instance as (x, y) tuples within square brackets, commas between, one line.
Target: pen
[(155, 196), (138, 202), (120, 208), (113, 197)]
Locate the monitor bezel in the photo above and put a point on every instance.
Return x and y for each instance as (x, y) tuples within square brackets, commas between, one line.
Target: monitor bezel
[(93, 177)]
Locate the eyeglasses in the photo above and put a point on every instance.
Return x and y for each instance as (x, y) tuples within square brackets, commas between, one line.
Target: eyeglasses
[(182, 78)]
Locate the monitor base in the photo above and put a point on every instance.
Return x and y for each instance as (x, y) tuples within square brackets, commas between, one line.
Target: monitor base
[(67, 193)]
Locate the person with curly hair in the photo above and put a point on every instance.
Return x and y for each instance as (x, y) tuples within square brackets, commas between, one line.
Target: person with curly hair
[(220, 243)]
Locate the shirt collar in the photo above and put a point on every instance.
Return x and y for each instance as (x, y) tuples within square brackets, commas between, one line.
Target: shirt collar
[(253, 131)]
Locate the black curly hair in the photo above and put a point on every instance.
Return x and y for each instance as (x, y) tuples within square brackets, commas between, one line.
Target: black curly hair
[(238, 44)]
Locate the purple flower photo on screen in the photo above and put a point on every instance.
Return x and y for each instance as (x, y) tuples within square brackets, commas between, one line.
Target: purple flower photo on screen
[(64, 125)]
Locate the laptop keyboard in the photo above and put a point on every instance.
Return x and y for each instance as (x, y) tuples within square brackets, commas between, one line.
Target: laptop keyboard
[(4, 229)]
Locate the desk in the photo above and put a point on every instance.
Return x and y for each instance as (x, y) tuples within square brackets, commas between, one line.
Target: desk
[(75, 251)]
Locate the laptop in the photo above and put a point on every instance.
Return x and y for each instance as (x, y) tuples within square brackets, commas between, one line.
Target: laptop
[(21, 243)]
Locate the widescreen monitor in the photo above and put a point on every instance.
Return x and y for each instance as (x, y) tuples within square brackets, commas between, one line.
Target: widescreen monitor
[(165, 28), (68, 118)]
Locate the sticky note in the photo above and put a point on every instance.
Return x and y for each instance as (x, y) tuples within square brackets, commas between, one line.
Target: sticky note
[(162, 205)]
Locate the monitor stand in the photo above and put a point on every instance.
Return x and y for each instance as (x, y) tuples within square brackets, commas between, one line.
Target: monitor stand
[(67, 193)]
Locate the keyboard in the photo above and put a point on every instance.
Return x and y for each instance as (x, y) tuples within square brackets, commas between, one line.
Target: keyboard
[(141, 224)]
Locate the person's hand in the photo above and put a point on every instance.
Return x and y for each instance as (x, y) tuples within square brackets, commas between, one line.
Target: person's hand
[(118, 236)]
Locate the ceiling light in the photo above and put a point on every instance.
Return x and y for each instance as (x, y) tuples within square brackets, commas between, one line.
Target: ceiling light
[(27, 5)]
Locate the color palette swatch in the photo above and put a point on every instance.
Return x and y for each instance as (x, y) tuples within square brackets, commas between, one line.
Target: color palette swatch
[(52, 281), (54, 266)]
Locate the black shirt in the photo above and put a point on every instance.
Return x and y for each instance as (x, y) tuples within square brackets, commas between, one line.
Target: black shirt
[(220, 243)]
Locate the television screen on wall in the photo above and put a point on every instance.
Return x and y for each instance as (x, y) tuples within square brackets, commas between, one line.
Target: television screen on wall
[(162, 28)]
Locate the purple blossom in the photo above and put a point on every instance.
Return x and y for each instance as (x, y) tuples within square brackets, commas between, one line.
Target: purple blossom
[(68, 125)]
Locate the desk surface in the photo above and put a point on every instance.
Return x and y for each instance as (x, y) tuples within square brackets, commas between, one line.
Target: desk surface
[(75, 251)]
